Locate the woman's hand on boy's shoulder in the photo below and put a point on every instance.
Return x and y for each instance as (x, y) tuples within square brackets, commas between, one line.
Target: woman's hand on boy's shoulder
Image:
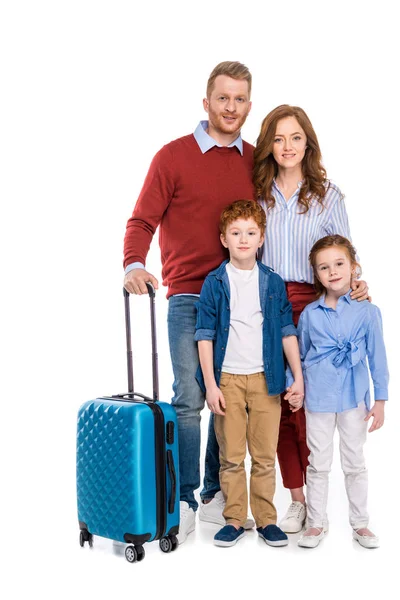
[(360, 290), (378, 413)]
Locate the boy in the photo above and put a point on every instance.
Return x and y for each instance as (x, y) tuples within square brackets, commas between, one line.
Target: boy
[(244, 321)]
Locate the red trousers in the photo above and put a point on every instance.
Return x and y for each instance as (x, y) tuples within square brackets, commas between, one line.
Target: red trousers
[(292, 447)]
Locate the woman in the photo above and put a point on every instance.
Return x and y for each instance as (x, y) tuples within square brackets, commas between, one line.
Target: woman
[(302, 206)]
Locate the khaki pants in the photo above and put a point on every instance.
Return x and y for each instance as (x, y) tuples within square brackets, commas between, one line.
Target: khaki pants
[(253, 416)]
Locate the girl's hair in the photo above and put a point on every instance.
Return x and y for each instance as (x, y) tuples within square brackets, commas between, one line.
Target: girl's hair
[(330, 241), (242, 209), (266, 168)]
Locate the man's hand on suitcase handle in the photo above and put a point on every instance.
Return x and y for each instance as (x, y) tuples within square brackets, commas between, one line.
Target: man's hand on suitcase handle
[(135, 281)]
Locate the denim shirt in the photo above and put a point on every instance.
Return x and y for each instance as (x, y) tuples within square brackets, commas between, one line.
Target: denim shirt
[(213, 320)]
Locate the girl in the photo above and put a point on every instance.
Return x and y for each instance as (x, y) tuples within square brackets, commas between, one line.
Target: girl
[(336, 335)]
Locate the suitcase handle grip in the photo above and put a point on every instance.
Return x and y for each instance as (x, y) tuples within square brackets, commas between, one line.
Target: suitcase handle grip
[(172, 474), (130, 397), (152, 295)]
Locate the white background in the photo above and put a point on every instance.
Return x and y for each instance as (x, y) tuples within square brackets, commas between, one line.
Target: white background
[(90, 91)]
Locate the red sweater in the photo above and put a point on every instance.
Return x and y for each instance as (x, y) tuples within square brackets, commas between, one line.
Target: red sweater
[(185, 192)]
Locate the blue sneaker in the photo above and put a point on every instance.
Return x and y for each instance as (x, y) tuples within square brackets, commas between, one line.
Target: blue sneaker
[(228, 536), (273, 536)]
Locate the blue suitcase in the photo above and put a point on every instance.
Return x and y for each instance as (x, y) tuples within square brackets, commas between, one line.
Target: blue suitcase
[(127, 464)]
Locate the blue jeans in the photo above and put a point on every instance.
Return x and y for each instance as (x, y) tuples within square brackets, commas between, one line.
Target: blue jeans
[(188, 401)]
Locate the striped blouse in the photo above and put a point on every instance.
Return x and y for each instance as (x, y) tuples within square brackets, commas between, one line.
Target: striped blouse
[(290, 236)]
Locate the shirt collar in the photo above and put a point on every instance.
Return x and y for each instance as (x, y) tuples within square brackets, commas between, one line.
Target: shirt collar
[(299, 184), (321, 301), (206, 142)]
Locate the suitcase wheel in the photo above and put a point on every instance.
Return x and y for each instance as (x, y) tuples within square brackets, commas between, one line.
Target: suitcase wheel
[(134, 553), (85, 536), (169, 543), (140, 553), (130, 554)]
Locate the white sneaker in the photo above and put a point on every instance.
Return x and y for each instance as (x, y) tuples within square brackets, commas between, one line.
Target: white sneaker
[(187, 521), (367, 541), (310, 541), (212, 512), (294, 519)]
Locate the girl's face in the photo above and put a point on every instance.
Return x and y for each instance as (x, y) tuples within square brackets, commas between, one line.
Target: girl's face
[(290, 143), (334, 270)]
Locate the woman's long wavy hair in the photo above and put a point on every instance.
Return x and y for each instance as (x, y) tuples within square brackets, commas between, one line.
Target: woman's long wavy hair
[(266, 168)]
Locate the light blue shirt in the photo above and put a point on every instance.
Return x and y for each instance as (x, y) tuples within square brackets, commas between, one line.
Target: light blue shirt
[(334, 347), (290, 235), (205, 142)]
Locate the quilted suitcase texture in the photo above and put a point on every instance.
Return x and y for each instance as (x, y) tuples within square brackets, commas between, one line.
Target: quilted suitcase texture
[(127, 465)]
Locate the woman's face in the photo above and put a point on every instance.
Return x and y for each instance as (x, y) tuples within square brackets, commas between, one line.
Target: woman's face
[(290, 143)]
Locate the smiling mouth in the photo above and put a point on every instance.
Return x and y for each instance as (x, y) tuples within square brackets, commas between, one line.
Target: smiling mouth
[(335, 280), (288, 155)]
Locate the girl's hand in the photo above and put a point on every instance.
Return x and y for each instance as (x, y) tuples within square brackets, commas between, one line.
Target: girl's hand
[(295, 395), (378, 412), (215, 401)]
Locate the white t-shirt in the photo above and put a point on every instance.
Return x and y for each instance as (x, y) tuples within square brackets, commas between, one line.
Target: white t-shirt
[(244, 354)]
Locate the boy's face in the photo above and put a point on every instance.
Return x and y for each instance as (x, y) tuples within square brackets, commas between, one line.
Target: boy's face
[(242, 238)]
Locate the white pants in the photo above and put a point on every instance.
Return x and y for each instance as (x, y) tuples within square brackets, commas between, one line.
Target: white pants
[(353, 432)]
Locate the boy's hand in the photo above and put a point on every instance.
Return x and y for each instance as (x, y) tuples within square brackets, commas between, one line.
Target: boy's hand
[(360, 290), (295, 395), (378, 412), (215, 401)]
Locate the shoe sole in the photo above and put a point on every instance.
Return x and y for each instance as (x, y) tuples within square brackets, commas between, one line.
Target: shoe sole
[(313, 545), (364, 545), (223, 544), (275, 544), (247, 526)]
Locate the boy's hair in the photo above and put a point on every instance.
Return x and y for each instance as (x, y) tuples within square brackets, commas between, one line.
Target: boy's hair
[(235, 70), (242, 209), (330, 241)]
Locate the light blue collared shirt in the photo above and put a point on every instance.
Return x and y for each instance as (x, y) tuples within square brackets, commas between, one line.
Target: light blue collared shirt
[(290, 235), (205, 142), (334, 347)]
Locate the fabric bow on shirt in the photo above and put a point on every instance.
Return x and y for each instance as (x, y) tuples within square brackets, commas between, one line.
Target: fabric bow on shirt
[(349, 351)]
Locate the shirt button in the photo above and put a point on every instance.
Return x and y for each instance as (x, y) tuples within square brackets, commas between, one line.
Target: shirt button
[(226, 329), (222, 348)]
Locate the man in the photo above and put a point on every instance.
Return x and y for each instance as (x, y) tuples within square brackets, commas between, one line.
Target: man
[(190, 181)]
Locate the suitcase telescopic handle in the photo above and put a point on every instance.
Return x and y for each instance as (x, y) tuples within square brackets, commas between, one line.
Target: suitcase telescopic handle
[(154, 361)]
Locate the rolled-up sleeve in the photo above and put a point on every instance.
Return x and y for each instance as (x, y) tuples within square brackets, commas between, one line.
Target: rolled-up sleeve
[(206, 314)]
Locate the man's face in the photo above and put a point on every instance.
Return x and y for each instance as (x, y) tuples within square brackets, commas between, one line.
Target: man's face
[(228, 106)]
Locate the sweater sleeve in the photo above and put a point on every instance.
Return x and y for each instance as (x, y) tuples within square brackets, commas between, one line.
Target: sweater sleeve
[(153, 201)]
